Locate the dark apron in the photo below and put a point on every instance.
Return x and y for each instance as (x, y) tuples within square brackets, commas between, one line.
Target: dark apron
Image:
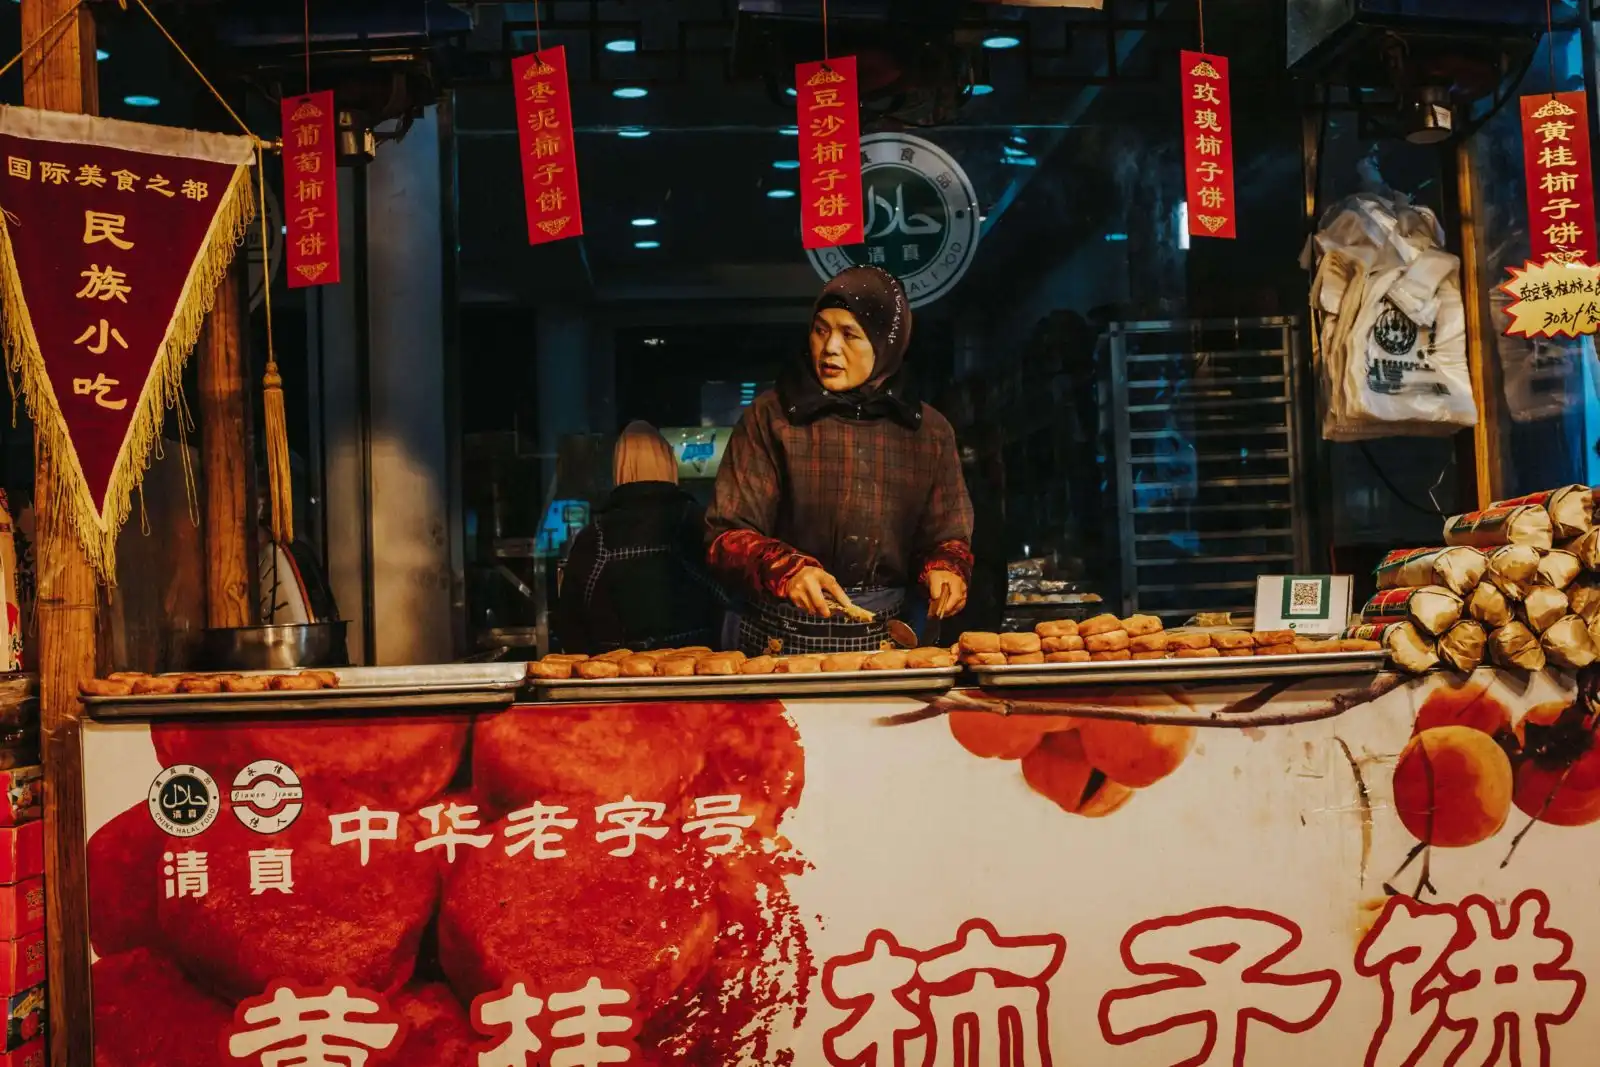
[(758, 624)]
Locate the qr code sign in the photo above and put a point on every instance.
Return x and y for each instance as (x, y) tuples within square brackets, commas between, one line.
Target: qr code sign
[(1305, 596)]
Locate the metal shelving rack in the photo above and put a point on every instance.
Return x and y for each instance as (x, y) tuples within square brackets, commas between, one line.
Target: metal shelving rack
[(1208, 463)]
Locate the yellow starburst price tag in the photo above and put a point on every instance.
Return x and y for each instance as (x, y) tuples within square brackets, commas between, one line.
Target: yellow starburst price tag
[(1553, 299)]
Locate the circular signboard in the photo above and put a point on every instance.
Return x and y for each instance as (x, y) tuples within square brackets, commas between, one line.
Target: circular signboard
[(921, 217)]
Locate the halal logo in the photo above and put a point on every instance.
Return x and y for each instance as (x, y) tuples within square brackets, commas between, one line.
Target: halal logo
[(1394, 331), (266, 796), (184, 800), (921, 217)]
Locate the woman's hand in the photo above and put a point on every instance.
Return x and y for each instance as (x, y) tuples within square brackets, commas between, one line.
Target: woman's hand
[(947, 593), (810, 590)]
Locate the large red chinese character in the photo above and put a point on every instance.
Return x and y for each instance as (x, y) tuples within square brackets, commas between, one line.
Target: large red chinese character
[(1218, 972), (1498, 987), (981, 1000)]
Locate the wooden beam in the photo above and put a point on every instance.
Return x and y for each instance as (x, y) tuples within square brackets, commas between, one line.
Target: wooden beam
[(1483, 355), (59, 74), (226, 458)]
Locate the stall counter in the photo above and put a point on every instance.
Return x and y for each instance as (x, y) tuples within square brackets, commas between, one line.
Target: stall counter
[(1325, 871)]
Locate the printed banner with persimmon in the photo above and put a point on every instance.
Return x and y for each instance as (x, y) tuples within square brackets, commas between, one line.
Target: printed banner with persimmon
[(114, 237)]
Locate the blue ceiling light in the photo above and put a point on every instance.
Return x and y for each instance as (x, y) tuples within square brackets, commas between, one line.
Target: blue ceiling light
[(789, 131), (1001, 42), (141, 100), (630, 92), (633, 133), (647, 245), (622, 44), (1017, 138), (644, 222), (790, 91), (101, 54), (1010, 151), (982, 89), (1116, 237), (780, 194), (1019, 160), (786, 164)]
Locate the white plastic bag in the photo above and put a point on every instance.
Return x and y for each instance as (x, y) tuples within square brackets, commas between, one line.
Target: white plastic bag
[(1390, 325)]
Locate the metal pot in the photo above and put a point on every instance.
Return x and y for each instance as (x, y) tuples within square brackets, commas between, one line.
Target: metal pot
[(269, 648)]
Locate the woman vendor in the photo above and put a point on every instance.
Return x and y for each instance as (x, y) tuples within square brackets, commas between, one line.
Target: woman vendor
[(840, 490)]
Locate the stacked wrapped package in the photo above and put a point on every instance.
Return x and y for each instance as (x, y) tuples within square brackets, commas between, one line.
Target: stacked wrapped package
[(22, 927), (1516, 584)]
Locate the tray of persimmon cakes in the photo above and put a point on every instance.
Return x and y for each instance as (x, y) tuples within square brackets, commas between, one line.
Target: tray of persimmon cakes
[(1108, 649), (700, 672)]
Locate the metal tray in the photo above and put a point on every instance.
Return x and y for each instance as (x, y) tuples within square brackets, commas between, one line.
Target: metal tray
[(445, 685), (1156, 671), (732, 686)]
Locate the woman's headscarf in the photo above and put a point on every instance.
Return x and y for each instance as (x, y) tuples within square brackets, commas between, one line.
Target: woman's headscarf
[(643, 455), (878, 301)]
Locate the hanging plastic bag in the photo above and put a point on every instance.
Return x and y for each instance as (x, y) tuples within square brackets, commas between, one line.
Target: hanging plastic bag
[(1389, 323)]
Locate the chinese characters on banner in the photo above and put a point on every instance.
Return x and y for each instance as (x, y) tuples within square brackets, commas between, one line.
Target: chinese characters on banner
[(830, 153), (114, 237), (549, 153), (310, 190), (1555, 152), (1553, 299), (1208, 145)]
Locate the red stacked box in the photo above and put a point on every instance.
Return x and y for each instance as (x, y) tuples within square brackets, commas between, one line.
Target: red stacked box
[(22, 939)]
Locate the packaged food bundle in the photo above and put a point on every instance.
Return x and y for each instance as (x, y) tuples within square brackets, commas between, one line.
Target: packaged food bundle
[(1489, 605), (1462, 646), (1458, 568), (1543, 607), (1557, 569), (1432, 608), (1515, 646), (1568, 643), (1411, 650), (1522, 524), (1571, 508)]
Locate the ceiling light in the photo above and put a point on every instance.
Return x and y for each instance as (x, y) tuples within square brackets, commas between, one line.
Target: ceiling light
[(982, 89), (140, 100), (1116, 237), (633, 133), (643, 222), (789, 131), (101, 54), (1017, 138), (630, 92), (786, 164), (1010, 151), (622, 44), (655, 342), (780, 194), (647, 245), (790, 91), (1001, 42)]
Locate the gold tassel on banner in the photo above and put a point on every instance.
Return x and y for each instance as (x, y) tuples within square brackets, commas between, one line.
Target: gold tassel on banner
[(282, 493)]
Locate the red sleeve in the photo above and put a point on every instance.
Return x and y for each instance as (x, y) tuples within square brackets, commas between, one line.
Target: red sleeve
[(757, 564), (954, 556), (744, 513)]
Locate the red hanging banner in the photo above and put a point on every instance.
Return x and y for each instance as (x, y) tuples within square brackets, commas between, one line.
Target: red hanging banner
[(112, 243), (831, 200), (1555, 152), (310, 190), (549, 152), (1208, 145)]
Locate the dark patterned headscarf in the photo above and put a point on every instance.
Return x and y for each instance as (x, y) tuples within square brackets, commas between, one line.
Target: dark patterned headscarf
[(878, 301)]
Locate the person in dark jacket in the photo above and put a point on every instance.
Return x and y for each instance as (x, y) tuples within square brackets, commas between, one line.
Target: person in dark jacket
[(635, 577), (841, 488)]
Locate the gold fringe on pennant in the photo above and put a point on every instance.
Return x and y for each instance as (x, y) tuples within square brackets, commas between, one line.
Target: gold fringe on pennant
[(278, 456), (163, 389)]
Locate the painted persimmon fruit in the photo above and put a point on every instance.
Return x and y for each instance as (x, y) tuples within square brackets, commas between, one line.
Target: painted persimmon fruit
[(1453, 786), (1135, 754), (1464, 705), (1058, 770), (1558, 776), (993, 736)]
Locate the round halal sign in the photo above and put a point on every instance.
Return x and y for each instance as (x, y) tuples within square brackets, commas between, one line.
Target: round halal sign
[(921, 217)]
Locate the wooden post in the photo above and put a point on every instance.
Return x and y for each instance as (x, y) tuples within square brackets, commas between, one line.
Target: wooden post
[(60, 74), (1483, 358), (226, 458)]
